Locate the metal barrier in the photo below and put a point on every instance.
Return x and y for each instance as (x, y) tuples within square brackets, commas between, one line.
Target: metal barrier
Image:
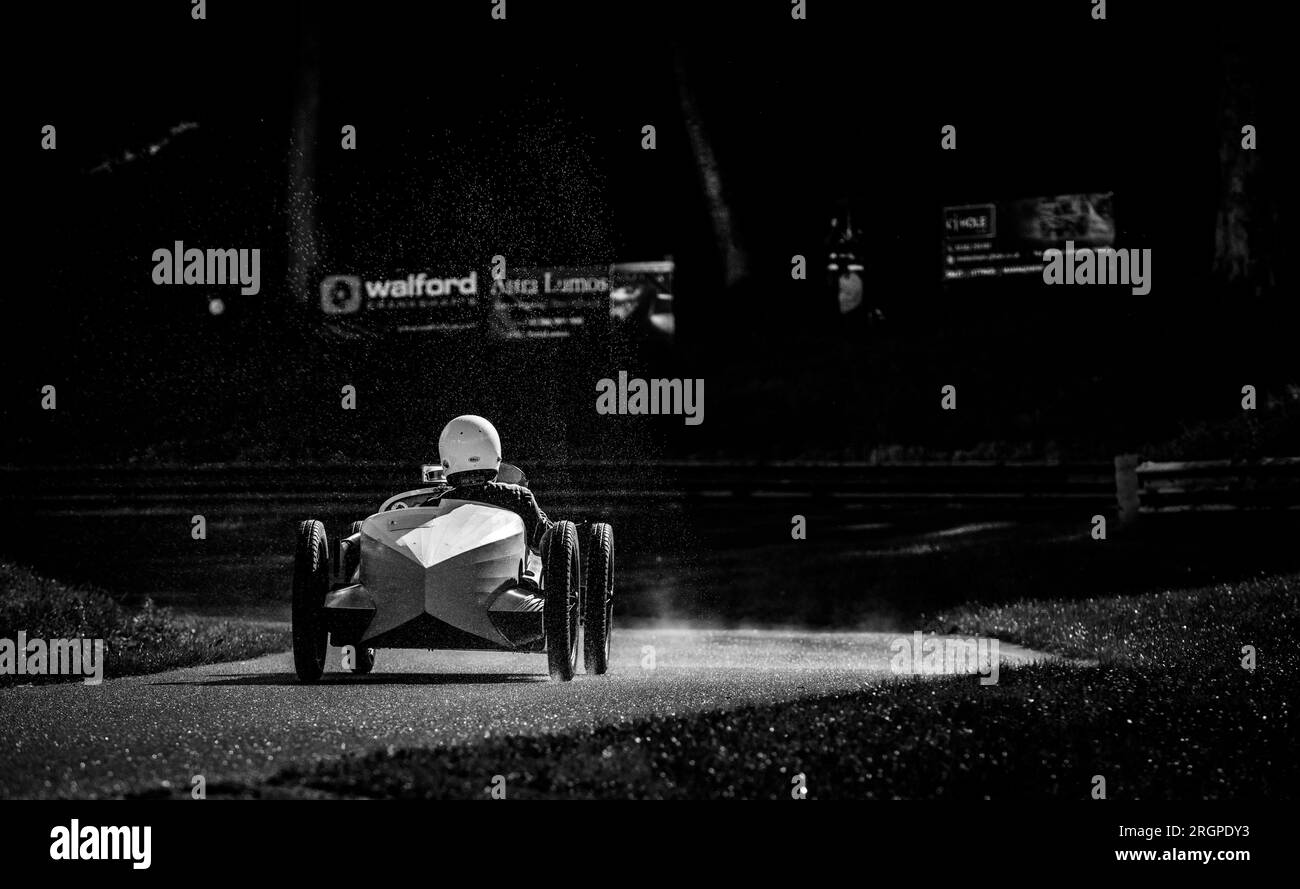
[(716, 483), (1145, 486)]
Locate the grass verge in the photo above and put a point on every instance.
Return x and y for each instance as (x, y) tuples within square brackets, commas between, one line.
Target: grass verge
[(147, 640)]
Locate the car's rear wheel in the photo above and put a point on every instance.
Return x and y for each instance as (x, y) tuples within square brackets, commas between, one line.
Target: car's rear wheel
[(597, 597), (562, 583), (311, 577)]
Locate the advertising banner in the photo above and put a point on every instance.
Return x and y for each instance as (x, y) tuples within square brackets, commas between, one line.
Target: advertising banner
[(543, 303), (1008, 237), (548, 303), (641, 299), (439, 302)]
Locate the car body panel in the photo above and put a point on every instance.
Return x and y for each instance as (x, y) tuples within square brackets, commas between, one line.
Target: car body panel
[(428, 571), (452, 561)]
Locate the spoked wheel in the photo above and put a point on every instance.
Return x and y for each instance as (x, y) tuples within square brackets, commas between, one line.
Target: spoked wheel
[(563, 584), (597, 597), (311, 577)]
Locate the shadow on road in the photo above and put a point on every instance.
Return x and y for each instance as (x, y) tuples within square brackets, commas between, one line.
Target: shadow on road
[(372, 679)]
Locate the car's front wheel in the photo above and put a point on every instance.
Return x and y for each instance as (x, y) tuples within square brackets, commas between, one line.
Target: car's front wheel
[(311, 577), (562, 583)]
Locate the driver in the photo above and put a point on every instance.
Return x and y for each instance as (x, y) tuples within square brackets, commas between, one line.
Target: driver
[(470, 450)]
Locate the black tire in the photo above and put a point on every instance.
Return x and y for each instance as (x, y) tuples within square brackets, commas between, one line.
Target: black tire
[(363, 660), (562, 583), (597, 597), (311, 577)]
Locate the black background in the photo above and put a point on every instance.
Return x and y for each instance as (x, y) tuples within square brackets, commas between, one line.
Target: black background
[(522, 137)]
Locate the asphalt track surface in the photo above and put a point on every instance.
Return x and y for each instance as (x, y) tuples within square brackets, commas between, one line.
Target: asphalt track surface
[(245, 721)]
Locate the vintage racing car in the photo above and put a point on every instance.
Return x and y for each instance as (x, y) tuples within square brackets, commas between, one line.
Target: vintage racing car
[(440, 573)]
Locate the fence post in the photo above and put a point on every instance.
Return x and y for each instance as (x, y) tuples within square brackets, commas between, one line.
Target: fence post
[(1126, 487)]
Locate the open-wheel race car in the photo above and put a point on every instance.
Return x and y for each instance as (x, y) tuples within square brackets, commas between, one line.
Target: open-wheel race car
[(433, 572)]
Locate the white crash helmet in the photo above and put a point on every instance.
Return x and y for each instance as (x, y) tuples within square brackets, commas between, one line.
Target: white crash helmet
[(470, 444)]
